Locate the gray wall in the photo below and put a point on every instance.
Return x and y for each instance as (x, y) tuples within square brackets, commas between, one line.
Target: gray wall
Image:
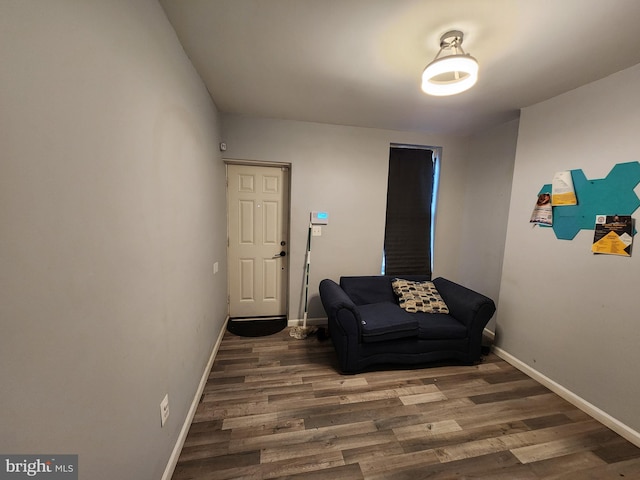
[(483, 225), (343, 170), (112, 213), (569, 314)]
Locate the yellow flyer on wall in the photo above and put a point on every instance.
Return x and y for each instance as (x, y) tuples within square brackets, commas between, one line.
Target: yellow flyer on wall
[(562, 191), (613, 235)]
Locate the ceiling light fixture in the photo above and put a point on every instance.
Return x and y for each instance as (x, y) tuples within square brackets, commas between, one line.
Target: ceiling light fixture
[(453, 73)]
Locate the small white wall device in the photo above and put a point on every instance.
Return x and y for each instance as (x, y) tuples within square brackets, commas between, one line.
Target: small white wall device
[(319, 218)]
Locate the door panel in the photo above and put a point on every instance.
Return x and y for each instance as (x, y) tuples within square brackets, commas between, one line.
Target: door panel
[(271, 222), (271, 270), (246, 279), (257, 203), (246, 222)]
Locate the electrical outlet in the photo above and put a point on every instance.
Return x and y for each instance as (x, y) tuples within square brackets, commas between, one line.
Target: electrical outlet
[(215, 268), (316, 231), (164, 410)]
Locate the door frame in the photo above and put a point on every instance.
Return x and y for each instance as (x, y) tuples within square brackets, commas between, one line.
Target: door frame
[(287, 216)]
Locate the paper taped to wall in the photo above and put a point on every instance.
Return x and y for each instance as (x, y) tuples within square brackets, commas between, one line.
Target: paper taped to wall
[(613, 235), (562, 191), (542, 211)]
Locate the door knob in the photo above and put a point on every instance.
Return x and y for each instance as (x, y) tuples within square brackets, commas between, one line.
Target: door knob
[(281, 254)]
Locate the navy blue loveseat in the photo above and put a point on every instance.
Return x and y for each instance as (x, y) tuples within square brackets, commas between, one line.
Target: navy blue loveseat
[(368, 327)]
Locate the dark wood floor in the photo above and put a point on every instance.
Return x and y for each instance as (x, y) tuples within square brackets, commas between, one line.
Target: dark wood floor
[(275, 407)]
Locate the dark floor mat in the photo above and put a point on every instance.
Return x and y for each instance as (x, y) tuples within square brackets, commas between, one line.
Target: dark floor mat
[(256, 327)]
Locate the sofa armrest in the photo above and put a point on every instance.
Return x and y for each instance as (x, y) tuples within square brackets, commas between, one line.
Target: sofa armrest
[(467, 306), (334, 297), (340, 309)]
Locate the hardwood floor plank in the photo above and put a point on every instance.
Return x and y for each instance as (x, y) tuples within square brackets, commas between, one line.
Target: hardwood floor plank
[(292, 438), (587, 440), (267, 428), (573, 462), (371, 452), (459, 437), (302, 465), (617, 450), (208, 411), (389, 466), (545, 421), (406, 392), (206, 432), (359, 412), (194, 468), (629, 469), (408, 418), (426, 431), (476, 448), (337, 385), (310, 402), (416, 398), (243, 390), (222, 383), (204, 450), (497, 466), (342, 472), (512, 393), (330, 444), (512, 410), (255, 420), (513, 439)]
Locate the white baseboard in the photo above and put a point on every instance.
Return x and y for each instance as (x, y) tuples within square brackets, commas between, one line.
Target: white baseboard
[(489, 334), (175, 454), (590, 409), (297, 322)]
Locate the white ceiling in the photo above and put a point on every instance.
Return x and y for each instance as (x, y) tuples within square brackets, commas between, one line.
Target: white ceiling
[(359, 62)]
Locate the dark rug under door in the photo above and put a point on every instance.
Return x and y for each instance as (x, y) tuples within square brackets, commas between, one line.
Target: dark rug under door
[(258, 327)]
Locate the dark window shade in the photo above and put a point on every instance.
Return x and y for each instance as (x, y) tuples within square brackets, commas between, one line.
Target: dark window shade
[(407, 236)]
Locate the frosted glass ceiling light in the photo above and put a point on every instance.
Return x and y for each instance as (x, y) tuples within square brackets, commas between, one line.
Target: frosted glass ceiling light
[(453, 73)]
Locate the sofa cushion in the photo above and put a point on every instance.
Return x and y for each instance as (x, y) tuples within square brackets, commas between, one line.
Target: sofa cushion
[(419, 296), (386, 321), (368, 289), (437, 326)]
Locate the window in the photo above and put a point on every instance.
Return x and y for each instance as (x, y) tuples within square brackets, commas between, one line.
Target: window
[(411, 192)]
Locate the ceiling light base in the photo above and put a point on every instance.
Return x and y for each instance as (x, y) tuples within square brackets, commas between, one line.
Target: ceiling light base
[(450, 38)]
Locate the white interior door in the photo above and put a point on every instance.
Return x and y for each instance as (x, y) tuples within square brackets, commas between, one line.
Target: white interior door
[(258, 212)]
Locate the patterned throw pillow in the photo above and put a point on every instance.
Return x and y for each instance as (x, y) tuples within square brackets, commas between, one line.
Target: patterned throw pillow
[(419, 296)]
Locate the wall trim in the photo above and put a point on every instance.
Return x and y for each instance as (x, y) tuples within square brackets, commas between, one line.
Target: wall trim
[(614, 424), (255, 163), (175, 454), (297, 322), (489, 334)]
